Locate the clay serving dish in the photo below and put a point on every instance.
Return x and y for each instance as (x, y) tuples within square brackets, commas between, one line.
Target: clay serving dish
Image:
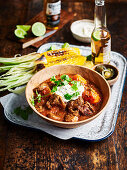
[(89, 74), (116, 72)]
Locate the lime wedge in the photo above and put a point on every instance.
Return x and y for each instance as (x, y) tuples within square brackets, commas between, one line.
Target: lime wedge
[(20, 33), (65, 45), (38, 29), (24, 27), (96, 35)]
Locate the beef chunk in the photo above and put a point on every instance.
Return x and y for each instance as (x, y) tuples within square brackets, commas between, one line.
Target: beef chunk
[(74, 104), (86, 109), (76, 107), (55, 100), (71, 118), (53, 116), (48, 105)]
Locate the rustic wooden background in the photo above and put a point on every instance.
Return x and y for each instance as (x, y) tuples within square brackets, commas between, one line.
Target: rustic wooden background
[(28, 149)]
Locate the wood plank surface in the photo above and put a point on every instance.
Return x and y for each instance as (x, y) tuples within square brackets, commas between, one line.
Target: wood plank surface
[(28, 149)]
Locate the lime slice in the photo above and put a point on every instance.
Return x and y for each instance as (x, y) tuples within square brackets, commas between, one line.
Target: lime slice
[(38, 29), (65, 45), (24, 27), (20, 33), (96, 35)]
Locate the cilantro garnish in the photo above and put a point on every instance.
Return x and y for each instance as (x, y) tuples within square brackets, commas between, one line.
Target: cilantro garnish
[(65, 77), (54, 89), (76, 93), (65, 82), (32, 101), (68, 96), (53, 78), (38, 96), (58, 82), (76, 85), (23, 113)]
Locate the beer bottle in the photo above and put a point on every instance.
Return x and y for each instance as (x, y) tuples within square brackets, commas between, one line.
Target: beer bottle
[(53, 10), (100, 38)]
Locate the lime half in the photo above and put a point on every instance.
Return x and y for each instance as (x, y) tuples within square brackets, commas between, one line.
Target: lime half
[(38, 29), (96, 35), (20, 33), (24, 27)]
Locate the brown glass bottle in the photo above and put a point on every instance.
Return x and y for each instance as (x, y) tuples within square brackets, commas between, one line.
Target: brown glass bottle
[(52, 10)]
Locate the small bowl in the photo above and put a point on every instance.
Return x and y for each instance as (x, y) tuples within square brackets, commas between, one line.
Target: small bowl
[(116, 72), (89, 74), (82, 29)]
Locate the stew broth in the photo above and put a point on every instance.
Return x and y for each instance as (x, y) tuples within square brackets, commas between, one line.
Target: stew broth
[(68, 98)]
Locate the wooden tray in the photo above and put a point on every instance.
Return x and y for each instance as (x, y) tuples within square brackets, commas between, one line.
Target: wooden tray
[(65, 18)]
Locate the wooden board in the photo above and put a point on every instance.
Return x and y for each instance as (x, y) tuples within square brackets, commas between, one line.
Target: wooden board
[(65, 18)]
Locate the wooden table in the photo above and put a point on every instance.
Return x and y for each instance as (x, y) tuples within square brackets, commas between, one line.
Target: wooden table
[(23, 148)]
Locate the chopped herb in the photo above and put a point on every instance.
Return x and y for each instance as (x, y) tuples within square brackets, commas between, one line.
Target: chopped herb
[(64, 82), (68, 96), (65, 77), (38, 97), (54, 89), (32, 101), (76, 85), (76, 93), (58, 83), (53, 78), (23, 113)]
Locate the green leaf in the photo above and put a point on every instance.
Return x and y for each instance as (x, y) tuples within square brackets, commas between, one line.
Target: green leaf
[(58, 82), (65, 77), (18, 111), (68, 96), (64, 82), (89, 58), (76, 93), (53, 78), (23, 113), (76, 85), (32, 101), (54, 89)]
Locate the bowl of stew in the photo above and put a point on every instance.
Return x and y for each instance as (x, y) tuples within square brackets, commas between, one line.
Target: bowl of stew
[(68, 96)]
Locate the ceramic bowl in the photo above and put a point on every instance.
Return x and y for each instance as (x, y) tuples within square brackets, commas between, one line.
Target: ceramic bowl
[(89, 74), (82, 29), (116, 72)]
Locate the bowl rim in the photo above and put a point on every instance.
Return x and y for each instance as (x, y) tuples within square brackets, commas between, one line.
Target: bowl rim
[(67, 123)]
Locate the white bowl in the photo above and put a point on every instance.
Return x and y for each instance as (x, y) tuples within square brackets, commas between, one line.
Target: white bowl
[(82, 29)]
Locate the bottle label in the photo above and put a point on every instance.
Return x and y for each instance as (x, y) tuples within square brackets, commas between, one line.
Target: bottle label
[(53, 8)]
